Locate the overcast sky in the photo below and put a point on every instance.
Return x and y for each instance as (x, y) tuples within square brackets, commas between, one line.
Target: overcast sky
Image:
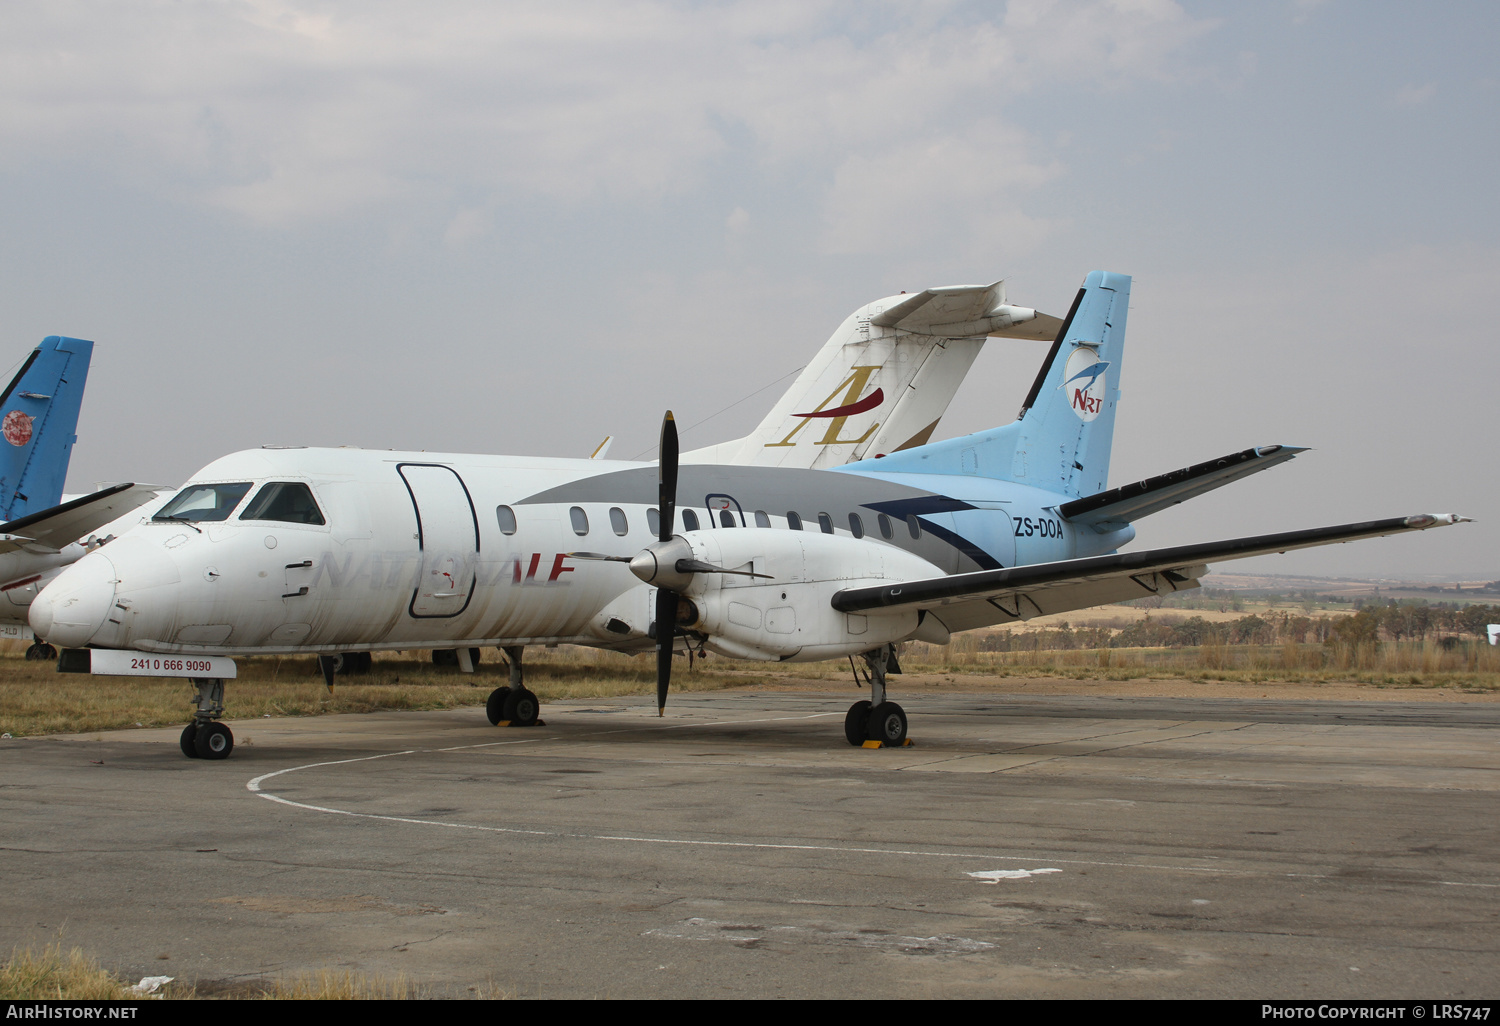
[(520, 227)]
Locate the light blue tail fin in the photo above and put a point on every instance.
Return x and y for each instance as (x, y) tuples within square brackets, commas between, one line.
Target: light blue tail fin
[(1061, 440), (38, 425)]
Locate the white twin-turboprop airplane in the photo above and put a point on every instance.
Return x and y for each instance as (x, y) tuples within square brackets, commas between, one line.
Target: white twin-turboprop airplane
[(346, 551)]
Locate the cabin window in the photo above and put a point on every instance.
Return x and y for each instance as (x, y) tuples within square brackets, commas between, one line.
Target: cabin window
[(653, 522), (507, 519), (793, 521), (914, 526), (726, 518), (856, 525), (580, 520), (761, 520), (886, 530), (825, 523), (290, 502), (204, 502), (618, 522), (689, 520)]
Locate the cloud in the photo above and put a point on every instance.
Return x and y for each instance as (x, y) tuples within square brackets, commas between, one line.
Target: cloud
[(935, 189), (288, 110)]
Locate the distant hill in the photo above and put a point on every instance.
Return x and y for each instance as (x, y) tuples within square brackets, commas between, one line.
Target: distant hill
[(1349, 588)]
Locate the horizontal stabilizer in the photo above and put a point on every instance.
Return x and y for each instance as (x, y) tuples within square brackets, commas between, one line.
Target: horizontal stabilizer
[(1111, 510), (1021, 592), (964, 311), (51, 530)]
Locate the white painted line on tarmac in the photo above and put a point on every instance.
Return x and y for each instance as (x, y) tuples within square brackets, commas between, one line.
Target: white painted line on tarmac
[(255, 787)]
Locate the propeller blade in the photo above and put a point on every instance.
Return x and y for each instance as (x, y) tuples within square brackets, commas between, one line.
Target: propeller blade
[(666, 600), (666, 492), (666, 632), (598, 555)]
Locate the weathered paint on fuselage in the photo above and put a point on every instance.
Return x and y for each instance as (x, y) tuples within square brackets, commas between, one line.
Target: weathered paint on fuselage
[(372, 576)]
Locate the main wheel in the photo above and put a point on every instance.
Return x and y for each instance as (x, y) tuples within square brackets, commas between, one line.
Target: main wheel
[(347, 663), (888, 723), (36, 653), (214, 741), (189, 733), (445, 657), (521, 707), (494, 708), (857, 723)]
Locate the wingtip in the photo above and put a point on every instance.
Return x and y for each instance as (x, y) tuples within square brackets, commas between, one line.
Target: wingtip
[(1422, 521)]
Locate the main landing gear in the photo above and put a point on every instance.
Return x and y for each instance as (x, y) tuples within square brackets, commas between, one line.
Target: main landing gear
[(877, 720), (455, 657), (349, 663), (206, 737), (515, 705)]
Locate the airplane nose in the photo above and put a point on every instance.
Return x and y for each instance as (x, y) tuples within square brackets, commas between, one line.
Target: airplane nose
[(70, 610)]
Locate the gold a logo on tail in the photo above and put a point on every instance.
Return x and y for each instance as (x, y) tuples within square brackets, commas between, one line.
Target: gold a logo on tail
[(851, 405)]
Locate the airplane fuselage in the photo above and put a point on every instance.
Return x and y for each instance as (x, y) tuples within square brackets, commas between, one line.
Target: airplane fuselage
[(425, 550)]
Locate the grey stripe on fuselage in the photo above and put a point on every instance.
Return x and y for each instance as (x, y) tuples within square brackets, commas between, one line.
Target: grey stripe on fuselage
[(777, 490)]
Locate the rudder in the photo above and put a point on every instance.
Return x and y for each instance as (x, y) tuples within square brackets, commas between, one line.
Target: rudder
[(38, 424), (1061, 440)]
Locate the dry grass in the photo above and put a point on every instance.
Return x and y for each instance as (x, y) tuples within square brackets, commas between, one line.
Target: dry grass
[(336, 985), (55, 975), (1473, 666), (36, 699)]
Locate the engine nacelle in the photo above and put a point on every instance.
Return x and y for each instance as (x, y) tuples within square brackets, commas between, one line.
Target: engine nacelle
[(789, 617)]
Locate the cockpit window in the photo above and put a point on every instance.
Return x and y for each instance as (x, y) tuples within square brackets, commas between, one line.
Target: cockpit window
[(204, 502), (290, 502)]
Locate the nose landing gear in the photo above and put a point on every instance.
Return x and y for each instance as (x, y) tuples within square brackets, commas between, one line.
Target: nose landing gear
[(206, 737)]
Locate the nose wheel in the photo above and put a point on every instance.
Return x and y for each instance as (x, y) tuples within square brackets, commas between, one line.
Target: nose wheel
[(206, 737), (211, 740)]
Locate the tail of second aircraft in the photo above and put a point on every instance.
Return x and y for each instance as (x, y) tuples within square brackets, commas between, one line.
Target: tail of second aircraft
[(882, 382), (1061, 440), (38, 425)]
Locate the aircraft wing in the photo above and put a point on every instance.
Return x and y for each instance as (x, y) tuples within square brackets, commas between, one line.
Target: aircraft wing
[(52, 529), (965, 601)]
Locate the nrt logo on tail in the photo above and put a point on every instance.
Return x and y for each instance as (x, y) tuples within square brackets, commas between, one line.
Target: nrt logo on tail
[(1083, 379)]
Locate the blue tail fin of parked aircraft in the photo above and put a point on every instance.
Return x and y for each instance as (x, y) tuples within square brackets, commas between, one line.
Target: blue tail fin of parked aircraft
[(38, 425), (1061, 440)]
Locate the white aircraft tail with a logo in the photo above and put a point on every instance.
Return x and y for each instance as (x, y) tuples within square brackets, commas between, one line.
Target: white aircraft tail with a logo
[(1061, 440), (883, 381)]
